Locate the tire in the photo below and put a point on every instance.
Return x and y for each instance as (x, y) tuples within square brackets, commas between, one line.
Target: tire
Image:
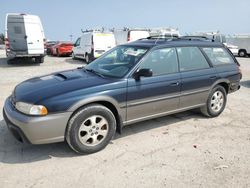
[(73, 55), (242, 53), (57, 53), (87, 58), (90, 129), (39, 60), (216, 102)]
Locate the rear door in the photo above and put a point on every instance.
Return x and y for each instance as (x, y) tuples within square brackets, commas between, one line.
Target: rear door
[(35, 37), (102, 43), (197, 76), (16, 34), (156, 95)]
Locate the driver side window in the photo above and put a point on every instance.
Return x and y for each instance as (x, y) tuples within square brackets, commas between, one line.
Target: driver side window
[(161, 61), (77, 43)]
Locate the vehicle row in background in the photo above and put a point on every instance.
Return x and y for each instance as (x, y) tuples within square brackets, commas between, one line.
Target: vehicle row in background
[(24, 37), (218, 37)]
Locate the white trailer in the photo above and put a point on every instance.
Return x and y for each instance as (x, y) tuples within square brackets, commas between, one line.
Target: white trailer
[(243, 43)]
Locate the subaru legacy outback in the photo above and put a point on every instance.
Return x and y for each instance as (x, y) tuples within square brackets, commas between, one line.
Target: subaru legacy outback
[(134, 82)]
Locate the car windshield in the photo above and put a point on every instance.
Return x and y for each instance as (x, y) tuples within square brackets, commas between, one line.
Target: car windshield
[(117, 62)]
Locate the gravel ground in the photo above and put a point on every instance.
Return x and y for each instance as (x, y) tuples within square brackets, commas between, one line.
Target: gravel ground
[(182, 150)]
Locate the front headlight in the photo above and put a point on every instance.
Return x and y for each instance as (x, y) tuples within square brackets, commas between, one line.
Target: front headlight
[(31, 109)]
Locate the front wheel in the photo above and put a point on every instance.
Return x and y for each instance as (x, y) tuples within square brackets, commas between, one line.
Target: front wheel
[(216, 102), (91, 129)]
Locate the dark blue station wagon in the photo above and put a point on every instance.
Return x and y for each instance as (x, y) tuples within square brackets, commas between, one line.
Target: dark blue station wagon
[(138, 81)]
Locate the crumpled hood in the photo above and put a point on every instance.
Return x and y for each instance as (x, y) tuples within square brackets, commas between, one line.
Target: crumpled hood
[(44, 87)]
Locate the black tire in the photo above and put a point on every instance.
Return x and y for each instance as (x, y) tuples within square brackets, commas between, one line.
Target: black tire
[(73, 55), (39, 60), (78, 120), (88, 58), (209, 110), (57, 53), (242, 53)]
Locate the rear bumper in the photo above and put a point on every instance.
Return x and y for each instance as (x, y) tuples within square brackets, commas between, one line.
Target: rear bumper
[(13, 54), (35, 129), (234, 87)]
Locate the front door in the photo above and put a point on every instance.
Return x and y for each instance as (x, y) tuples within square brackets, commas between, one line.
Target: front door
[(156, 95)]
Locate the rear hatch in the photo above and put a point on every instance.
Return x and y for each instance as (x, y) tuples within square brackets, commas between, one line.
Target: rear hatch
[(102, 43)]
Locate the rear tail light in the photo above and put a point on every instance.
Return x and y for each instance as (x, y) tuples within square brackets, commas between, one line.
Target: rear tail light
[(92, 44), (7, 44), (44, 43)]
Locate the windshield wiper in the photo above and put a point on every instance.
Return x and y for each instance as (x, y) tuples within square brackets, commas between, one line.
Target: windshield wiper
[(95, 72)]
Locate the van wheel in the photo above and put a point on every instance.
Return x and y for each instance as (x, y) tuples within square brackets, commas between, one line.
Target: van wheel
[(87, 58), (242, 53), (73, 55), (216, 102), (57, 53), (90, 129), (39, 60)]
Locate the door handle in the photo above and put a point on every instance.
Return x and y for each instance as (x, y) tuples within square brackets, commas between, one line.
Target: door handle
[(174, 84), (30, 43)]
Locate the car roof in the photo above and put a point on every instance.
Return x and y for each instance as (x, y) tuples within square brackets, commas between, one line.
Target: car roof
[(150, 43)]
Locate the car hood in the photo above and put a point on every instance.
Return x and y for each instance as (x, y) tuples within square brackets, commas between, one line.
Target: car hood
[(44, 87)]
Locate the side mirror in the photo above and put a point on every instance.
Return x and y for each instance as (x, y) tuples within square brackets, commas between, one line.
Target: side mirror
[(142, 73)]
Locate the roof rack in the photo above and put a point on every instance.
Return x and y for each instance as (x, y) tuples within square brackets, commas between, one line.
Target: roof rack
[(93, 30), (166, 36), (195, 37)]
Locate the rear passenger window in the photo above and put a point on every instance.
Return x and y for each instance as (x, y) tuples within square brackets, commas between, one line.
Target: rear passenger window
[(161, 61), (218, 56), (191, 58)]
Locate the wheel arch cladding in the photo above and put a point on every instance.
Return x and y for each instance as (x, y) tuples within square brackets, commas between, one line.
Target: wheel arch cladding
[(108, 105), (225, 86)]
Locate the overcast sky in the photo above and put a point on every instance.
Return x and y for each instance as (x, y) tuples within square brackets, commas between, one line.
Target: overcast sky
[(62, 18)]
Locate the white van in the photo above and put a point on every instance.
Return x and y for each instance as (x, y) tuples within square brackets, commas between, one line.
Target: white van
[(126, 35), (93, 44), (24, 37)]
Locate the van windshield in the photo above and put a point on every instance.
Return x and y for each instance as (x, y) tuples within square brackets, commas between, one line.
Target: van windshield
[(117, 62)]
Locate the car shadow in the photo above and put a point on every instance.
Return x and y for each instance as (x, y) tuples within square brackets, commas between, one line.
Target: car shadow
[(17, 62), (13, 152), (75, 61), (245, 83)]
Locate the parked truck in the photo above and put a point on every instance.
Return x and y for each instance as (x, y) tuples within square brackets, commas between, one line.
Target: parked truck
[(243, 43)]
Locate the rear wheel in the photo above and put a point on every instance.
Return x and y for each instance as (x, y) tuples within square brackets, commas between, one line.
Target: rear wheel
[(39, 60), (87, 58), (58, 53), (242, 53), (73, 55), (91, 129), (216, 102)]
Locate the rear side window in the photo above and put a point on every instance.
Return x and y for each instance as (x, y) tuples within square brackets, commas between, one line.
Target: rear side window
[(191, 58), (161, 61), (218, 56)]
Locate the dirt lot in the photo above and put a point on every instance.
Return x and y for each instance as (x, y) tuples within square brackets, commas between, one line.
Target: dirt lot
[(183, 150)]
